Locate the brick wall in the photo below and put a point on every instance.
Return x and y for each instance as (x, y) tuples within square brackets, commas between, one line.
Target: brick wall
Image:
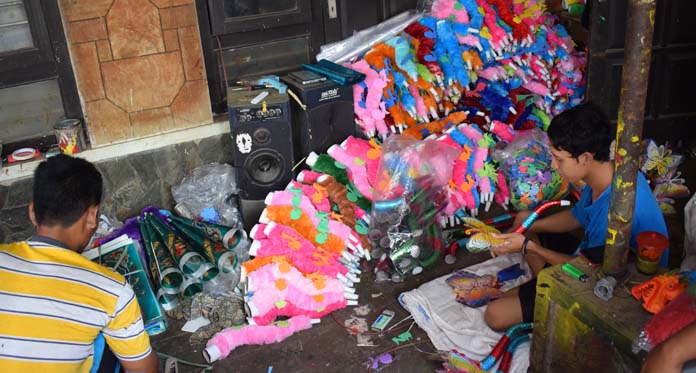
[(139, 66)]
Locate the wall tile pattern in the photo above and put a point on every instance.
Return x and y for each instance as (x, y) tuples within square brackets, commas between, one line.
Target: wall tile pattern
[(138, 65)]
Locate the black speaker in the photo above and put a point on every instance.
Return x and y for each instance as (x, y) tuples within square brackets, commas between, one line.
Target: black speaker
[(326, 117), (262, 146)]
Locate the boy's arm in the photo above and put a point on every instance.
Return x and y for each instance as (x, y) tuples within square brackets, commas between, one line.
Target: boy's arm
[(551, 257), (560, 222), (148, 364), (514, 245), (126, 336), (670, 355)]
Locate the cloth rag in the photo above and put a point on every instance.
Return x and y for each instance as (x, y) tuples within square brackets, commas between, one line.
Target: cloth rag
[(452, 325)]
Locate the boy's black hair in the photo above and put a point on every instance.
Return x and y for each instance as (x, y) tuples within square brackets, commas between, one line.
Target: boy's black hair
[(64, 188), (584, 128)]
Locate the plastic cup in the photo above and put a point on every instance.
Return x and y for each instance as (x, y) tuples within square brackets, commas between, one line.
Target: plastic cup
[(69, 136), (651, 245), (576, 9)]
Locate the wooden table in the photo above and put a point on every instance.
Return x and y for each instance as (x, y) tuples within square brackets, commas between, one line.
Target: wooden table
[(575, 331)]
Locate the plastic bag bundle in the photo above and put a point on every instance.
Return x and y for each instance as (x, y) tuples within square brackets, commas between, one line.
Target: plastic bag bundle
[(526, 162), (207, 191), (677, 315), (410, 193)]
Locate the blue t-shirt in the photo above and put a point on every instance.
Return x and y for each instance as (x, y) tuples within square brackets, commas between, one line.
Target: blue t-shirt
[(647, 216)]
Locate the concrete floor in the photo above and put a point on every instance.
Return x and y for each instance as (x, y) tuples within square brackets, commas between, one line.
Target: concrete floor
[(328, 346)]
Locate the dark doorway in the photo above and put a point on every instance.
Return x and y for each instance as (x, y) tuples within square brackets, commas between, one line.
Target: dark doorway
[(669, 112), (243, 38)]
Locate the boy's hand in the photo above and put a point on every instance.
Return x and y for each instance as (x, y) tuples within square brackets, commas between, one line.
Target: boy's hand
[(513, 243), (660, 360), (519, 218)]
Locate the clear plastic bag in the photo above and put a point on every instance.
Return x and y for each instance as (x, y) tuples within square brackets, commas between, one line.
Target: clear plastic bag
[(222, 284), (526, 163), (352, 47), (409, 194), (208, 189)]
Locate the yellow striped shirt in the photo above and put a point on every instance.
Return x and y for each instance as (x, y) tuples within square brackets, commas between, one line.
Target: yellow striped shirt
[(53, 304)]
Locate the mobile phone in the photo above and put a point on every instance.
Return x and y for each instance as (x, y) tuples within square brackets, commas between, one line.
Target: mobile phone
[(306, 77), (382, 320)]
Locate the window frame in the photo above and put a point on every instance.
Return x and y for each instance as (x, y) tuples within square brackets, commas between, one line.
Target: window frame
[(48, 59), (221, 25)]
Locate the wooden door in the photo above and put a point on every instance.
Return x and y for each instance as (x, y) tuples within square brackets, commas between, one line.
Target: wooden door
[(670, 110)]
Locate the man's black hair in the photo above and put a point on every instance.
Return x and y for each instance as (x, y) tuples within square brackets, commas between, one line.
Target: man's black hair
[(584, 128), (64, 188)]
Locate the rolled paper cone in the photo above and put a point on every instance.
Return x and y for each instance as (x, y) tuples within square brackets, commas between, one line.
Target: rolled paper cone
[(211, 354), (386, 205), (413, 224), (167, 301), (210, 272), (401, 257), (167, 276), (191, 286), (350, 296), (344, 280), (352, 277), (432, 259), (428, 215), (189, 261), (230, 237), (387, 217), (215, 242), (375, 234)]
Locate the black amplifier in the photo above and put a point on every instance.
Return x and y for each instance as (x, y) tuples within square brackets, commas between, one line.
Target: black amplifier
[(326, 117)]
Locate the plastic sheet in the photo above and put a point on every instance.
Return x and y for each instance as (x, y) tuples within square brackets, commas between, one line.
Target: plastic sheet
[(352, 47), (410, 193), (526, 163), (210, 187), (689, 263)]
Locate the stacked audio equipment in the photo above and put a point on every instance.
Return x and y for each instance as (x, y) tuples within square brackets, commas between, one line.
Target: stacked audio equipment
[(262, 146), (324, 117)]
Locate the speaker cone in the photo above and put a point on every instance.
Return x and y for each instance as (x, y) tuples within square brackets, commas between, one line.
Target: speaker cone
[(265, 166)]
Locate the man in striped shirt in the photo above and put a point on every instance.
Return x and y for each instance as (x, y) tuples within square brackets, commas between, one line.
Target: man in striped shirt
[(53, 301)]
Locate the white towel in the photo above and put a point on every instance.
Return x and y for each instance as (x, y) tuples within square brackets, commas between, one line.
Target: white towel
[(454, 326)]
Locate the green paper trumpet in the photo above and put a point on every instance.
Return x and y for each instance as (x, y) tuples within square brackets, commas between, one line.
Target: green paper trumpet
[(191, 263), (215, 242)]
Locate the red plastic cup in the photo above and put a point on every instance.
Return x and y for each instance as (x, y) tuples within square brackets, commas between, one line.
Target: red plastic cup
[(651, 245)]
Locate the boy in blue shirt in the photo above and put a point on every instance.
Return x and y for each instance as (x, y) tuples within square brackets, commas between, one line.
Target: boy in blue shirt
[(580, 141)]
